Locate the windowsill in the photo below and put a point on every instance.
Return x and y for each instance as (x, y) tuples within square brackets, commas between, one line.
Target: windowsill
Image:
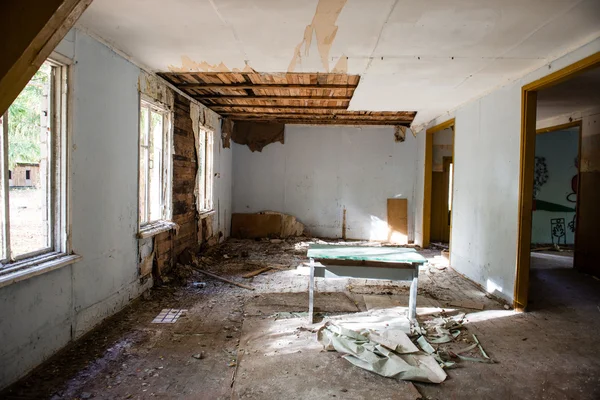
[(154, 228), (28, 268), (204, 214)]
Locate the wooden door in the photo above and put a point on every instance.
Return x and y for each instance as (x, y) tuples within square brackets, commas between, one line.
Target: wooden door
[(440, 210)]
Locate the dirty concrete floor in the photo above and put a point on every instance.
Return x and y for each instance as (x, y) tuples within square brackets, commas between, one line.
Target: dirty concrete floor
[(235, 343)]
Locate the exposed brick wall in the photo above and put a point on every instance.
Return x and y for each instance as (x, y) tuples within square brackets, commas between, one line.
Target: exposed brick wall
[(170, 245)]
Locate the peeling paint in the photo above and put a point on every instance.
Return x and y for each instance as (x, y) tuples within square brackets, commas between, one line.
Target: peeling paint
[(323, 27), (341, 67), (399, 133), (153, 87), (189, 65)]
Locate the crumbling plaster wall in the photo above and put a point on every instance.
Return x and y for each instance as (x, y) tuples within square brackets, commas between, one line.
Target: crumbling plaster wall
[(486, 181), (320, 170), (41, 314)]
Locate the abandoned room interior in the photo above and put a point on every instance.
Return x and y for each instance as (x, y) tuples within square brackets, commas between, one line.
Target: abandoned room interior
[(352, 199)]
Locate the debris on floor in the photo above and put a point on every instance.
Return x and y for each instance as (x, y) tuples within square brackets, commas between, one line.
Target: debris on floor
[(467, 304), (256, 272), (168, 316), (223, 279), (383, 341), (367, 354)]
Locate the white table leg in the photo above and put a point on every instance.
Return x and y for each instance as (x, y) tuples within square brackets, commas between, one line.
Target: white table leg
[(412, 302), (311, 291)]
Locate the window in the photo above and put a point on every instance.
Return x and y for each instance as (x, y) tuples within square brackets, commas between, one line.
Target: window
[(205, 177), (155, 165), (33, 215)]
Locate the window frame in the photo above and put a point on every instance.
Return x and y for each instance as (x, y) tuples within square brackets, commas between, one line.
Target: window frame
[(58, 252), (164, 223), (206, 176)]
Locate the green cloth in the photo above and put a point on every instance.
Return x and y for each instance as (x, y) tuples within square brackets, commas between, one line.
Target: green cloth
[(364, 253)]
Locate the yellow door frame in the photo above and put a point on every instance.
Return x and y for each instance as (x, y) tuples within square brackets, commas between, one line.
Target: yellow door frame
[(528, 133), (426, 228)]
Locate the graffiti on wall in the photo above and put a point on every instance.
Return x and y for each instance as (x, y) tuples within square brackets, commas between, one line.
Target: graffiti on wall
[(558, 231), (572, 197), (540, 176), (555, 188)]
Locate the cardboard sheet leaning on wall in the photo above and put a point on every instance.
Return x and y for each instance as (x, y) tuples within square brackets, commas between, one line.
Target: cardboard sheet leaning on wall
[(257, 135)]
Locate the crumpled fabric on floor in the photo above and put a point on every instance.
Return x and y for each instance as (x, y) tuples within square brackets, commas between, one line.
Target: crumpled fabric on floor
[(367, 354)]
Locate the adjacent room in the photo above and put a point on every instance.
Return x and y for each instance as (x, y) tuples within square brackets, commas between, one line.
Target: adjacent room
[(224, 199)]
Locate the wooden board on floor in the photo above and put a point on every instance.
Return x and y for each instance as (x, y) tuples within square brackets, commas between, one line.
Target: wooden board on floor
[(397, 215)]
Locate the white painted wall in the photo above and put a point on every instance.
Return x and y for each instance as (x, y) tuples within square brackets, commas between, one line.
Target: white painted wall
[(486, 181), (320, 170), (41, 314)]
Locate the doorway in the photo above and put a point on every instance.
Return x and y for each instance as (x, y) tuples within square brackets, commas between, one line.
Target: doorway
[(587, 195), (439, 177)]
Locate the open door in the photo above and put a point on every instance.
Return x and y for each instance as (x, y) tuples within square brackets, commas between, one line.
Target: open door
[(437, 196), (441, 187)]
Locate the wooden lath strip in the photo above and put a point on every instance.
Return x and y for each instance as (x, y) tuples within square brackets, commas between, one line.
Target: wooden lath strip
[(273, 86), (369, 114), (226, 107), (264, 115), (253, 97), (312, 121)]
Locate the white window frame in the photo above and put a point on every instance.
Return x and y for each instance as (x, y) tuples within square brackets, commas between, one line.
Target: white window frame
[(206, 175), (58, 253), (164, 223)]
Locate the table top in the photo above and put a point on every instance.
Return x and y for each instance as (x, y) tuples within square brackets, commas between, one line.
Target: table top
[(365, 253)]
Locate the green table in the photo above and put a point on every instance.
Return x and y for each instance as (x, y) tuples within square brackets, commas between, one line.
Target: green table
[(347, 261)]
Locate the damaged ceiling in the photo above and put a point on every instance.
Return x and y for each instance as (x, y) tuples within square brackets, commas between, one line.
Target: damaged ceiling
[(429, 56), (291, 98)]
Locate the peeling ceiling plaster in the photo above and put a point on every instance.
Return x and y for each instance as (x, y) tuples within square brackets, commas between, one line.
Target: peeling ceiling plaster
[(429, 56)]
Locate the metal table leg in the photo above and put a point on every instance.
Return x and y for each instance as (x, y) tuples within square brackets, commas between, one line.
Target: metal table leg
[(311, 291), (412, 302)]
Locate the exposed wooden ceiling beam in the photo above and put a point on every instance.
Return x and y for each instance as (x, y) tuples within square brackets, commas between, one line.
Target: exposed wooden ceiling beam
[(309, 112), (306, 121), (226, 97), (235, 116), (237, 106), (184, 86)]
